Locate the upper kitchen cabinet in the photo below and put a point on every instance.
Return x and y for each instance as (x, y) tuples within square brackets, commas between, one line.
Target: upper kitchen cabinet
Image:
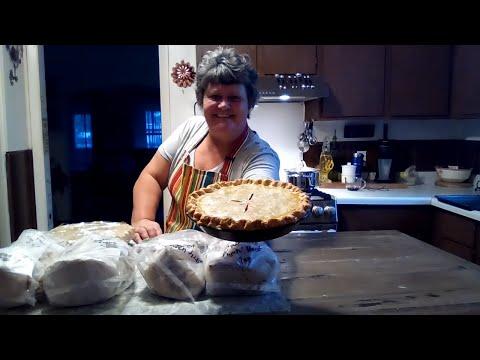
[(286, 59), (251, 50), (418, 80), (465, 95), (355, 75)]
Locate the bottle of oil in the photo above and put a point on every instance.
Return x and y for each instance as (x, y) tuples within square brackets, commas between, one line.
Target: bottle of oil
[(326, 162), (334, 175)]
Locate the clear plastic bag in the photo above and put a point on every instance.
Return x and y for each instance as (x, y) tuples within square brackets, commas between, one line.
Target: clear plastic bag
[(172, 264), (89, 271), (233, 268), (69, 234), (22, 265)]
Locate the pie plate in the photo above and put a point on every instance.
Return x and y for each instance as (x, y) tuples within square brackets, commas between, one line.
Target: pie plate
[(249, 235)]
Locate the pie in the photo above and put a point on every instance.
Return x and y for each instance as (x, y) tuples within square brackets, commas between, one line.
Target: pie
[(246, 204)]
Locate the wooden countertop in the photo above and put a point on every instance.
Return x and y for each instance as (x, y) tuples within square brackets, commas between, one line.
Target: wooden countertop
[(354, 272), (374, 272)]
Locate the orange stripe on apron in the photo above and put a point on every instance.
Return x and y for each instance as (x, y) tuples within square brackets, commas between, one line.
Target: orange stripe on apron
[(186, 179)]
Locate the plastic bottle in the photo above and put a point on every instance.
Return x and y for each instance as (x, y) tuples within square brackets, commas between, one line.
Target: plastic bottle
[(357, 160)]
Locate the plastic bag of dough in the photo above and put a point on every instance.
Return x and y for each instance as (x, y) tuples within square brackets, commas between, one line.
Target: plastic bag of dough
[(89, 271), (172, 264), (22, 265), (233, 268), (199, 238), (70, 233)]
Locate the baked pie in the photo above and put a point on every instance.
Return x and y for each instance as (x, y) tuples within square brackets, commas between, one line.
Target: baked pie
[(246, 204)]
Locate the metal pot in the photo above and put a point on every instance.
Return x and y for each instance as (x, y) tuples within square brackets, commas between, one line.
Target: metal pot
[(305, 178)]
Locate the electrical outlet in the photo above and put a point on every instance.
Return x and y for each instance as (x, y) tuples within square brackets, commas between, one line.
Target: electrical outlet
[(364, 152)]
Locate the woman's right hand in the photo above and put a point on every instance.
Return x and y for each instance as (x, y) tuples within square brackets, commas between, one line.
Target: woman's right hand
[(146, 229)]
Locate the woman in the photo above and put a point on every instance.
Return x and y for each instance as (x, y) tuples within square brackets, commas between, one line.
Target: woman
[(218, 146)]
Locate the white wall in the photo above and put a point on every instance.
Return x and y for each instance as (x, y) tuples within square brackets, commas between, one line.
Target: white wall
[(4, 213), (13, 129), (20, 129), (280, 125), (36, 117), (176, 103)]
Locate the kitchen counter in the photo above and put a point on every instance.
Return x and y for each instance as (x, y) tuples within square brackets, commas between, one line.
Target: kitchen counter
[(139, 300), (364, 272), (374, 272), (423, 194)]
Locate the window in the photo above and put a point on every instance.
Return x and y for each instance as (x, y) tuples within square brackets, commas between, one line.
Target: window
[(83, 131), (153, 129)]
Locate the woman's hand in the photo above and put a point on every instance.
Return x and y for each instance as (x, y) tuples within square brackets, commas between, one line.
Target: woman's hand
[(145, 229)]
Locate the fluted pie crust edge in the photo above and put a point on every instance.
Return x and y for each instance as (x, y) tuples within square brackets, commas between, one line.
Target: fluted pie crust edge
[(193, 209)]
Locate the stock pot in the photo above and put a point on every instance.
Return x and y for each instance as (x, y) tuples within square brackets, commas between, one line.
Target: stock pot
[(306, 178)]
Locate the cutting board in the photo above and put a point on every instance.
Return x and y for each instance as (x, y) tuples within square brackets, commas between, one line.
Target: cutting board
[(452, 184), (339, 185)]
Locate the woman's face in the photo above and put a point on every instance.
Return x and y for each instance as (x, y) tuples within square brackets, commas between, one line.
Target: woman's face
[(226, 109)]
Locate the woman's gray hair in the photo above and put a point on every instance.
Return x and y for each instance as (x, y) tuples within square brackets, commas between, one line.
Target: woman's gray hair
[(225, 66)]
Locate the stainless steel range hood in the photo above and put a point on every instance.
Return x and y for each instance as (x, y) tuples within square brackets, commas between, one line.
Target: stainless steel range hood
[(291, 88)]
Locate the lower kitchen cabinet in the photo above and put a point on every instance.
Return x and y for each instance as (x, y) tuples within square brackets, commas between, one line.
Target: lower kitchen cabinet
[(456, 234), (413, 220)]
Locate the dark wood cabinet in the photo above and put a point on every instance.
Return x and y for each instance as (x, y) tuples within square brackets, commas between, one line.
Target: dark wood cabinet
[(414, 220), (455, 234), (448, 231), (355, 75), (409, 81), (286, 59), (251, 50), (418, 80), (465, 95)]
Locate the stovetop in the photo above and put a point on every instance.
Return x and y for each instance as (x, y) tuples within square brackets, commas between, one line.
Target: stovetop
[(466, 202), (319, 195), (322, 215)]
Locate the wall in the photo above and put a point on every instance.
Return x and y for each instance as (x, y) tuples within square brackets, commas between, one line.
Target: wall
[(4, 213), (176, 103), (36, 118), (22, 126), (13, 131), (279, 125)]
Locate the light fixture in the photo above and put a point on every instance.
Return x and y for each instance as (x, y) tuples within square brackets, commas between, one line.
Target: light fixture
[(16, 54), (284, 97)]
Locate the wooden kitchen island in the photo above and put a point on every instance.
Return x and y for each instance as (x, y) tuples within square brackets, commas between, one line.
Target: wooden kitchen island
[(374, 272), (361, 272)]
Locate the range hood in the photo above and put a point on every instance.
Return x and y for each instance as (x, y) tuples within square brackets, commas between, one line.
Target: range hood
[(291, 88)]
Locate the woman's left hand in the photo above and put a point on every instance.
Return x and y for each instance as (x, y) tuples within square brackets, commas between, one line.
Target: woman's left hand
[(146, 229)]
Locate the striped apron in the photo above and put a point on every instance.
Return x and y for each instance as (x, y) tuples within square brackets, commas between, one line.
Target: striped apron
[(186, 179)]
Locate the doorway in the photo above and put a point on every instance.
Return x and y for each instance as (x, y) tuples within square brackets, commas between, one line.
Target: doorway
[(104, 125)]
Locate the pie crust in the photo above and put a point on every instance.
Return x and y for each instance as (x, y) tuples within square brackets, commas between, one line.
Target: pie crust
[(246, 204)]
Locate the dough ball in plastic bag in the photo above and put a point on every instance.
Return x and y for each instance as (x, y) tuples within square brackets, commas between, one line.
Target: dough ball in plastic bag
[(88, 272), (22, 265), (172, 268), (233, 268), (68, 234)]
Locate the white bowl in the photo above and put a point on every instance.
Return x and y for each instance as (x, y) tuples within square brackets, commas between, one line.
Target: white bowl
[(453, 174)]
